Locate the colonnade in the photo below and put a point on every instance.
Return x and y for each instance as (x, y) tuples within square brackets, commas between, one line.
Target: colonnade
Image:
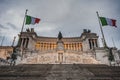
[(45, 46), (24, 42), (93, 43), (51, 46), (73, 46)]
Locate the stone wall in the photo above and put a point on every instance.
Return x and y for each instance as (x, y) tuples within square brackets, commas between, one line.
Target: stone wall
[(59, 58)]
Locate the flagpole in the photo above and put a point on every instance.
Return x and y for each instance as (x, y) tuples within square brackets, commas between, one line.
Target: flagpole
[(24, 20), (22, 31), (13, 41), (104, 42)]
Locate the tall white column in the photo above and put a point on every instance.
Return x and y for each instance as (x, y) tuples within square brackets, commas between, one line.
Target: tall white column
[(79, 47), (91, 43), (73, 46), (21, 42), (25, 42), (94, 42), (68, 46)]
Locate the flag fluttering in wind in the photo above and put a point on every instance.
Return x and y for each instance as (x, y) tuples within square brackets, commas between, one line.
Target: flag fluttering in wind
[(107, 21), (31, 20)]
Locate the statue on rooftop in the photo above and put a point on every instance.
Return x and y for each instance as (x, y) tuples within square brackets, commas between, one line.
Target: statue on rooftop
[(60, 36)]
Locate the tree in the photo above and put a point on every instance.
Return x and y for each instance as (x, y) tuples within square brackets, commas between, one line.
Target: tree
[(111, 56)]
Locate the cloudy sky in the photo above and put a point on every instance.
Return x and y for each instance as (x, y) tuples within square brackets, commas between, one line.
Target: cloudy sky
[(68, 16)]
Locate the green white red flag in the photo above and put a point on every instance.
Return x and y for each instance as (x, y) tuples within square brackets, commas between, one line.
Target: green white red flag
[(107, 21), (31, 20)]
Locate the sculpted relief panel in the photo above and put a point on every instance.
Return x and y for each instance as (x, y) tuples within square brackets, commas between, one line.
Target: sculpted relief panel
[(31, 60), (80, 59), (61, 58)]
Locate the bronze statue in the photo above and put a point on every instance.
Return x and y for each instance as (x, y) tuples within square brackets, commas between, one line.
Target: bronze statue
[(60, 36)]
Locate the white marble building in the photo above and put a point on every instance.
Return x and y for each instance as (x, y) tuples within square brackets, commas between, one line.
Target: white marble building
[(63, 50)]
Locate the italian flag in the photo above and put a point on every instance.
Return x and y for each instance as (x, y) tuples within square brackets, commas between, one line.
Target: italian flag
[(107, 21), (31, 20)]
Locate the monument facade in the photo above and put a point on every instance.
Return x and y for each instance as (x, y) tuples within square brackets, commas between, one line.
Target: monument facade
[(83, 49)]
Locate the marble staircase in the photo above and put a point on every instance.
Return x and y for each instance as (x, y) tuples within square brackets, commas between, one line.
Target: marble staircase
[(59, 72)]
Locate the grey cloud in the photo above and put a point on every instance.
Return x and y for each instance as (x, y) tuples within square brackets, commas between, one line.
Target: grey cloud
[(68, 16), (3, 27), (12, 26)]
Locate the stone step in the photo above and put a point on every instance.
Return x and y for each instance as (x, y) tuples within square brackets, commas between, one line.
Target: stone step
[(59, 78), (59, 72)]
